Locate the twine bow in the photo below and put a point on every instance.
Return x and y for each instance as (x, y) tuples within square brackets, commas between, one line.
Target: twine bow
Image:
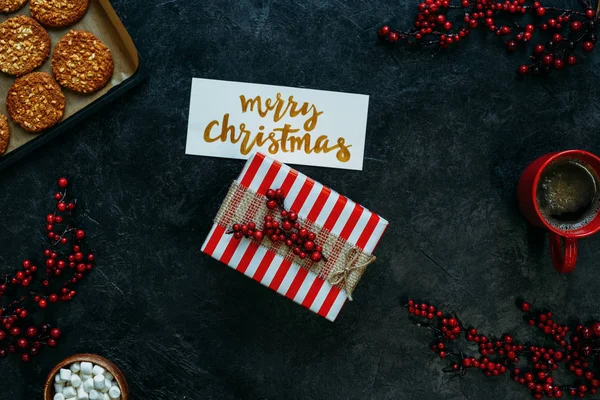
[(341, 276)]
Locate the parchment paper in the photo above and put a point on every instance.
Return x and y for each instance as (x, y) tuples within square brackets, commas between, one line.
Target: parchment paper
[(102, 21)]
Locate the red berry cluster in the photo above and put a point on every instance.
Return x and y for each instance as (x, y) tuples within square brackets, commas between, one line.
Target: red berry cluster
[(567, 29), (64, 254), (287, 230), (531, 365)]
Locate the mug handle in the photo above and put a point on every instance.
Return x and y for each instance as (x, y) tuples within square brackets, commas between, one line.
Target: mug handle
[(563, 263)]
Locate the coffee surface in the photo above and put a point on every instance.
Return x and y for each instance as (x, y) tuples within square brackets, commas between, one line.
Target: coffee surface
[(568, 194)]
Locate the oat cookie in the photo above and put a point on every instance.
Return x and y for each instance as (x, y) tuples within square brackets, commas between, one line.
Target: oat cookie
[(81, 62), (7, 6), (24, 45), (58, 13), (35, 101), (4, 133)]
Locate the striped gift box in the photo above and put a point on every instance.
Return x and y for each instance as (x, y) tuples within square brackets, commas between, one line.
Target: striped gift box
[(315, 203)]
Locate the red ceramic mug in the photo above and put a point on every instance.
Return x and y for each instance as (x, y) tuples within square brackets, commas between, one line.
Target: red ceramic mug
[(563, 259)]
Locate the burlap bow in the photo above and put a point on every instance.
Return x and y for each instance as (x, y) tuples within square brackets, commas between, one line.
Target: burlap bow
[(341, 277)]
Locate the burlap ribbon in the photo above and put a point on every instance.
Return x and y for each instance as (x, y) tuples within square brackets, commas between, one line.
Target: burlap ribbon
[(345, 263)]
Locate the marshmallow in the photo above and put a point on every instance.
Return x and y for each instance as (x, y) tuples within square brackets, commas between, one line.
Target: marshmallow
[(86, 368), (114, 392), (85, 377), (75, 381), (98, 370), (88, 385), (98, 382), (72, 398), (94, 395), (82, 395), (59, 396), (69, 392), (75, 367), (108, 376), (107, 386), (105, 397), (65, 374), (57, 379), (58, 387)]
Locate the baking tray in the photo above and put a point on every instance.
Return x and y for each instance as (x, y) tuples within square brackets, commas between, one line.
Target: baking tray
[(102, 20)]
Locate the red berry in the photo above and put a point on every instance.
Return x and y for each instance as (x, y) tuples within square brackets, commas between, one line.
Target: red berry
[(558, 64), (546, 60), (80, 234), (15, 331), (61, 206), (556, 37), (271, 204), (540, 11), (63, 183), (258, 236), (589, 13), (384, 31), (316, 256), (52, 342), (588, 46), (43, 303), (571, 60), (576, 26), (393, 37), (55, 333), (529, 28), (25, 357), (270, 194), (448, 26)]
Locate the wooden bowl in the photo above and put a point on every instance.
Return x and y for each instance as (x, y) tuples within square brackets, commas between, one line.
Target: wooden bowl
[(94, 359)]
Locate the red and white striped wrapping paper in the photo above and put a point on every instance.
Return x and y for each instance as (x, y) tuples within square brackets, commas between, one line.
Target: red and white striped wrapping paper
[(313, 202)]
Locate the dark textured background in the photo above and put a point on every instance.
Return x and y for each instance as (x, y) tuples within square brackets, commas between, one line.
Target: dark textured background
[(447, 139)]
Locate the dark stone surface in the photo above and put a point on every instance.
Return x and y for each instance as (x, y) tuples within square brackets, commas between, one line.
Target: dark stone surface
[(447, 139)]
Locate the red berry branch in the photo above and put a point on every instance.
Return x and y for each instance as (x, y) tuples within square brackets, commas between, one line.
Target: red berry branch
[(531, 365), (65, 264), (566, 29), (287, 230)]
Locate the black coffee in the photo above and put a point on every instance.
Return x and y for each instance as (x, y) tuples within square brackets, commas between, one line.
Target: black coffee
[(568, 194)]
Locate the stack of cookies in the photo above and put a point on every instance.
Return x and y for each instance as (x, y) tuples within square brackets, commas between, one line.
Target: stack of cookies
[(81, 63)]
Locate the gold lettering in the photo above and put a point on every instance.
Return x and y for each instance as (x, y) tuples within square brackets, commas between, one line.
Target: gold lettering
[(343, 154), (207, 131), (251, 103)]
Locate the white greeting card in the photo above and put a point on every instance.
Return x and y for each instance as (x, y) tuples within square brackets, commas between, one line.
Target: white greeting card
[(293, 125)]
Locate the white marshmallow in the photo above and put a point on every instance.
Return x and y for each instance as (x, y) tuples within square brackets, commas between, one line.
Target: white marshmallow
[(65, 374), (75, 381), (108, 376), (75, 367), (99, 382), (59, 396), (114, 392), (72, 398), (88, 385), (85, 377), (98, 370), (86, 368), (82, 395), (69, 392), (58, 387), (107, 386), (105, 397), (94, 395), (57, 379)]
